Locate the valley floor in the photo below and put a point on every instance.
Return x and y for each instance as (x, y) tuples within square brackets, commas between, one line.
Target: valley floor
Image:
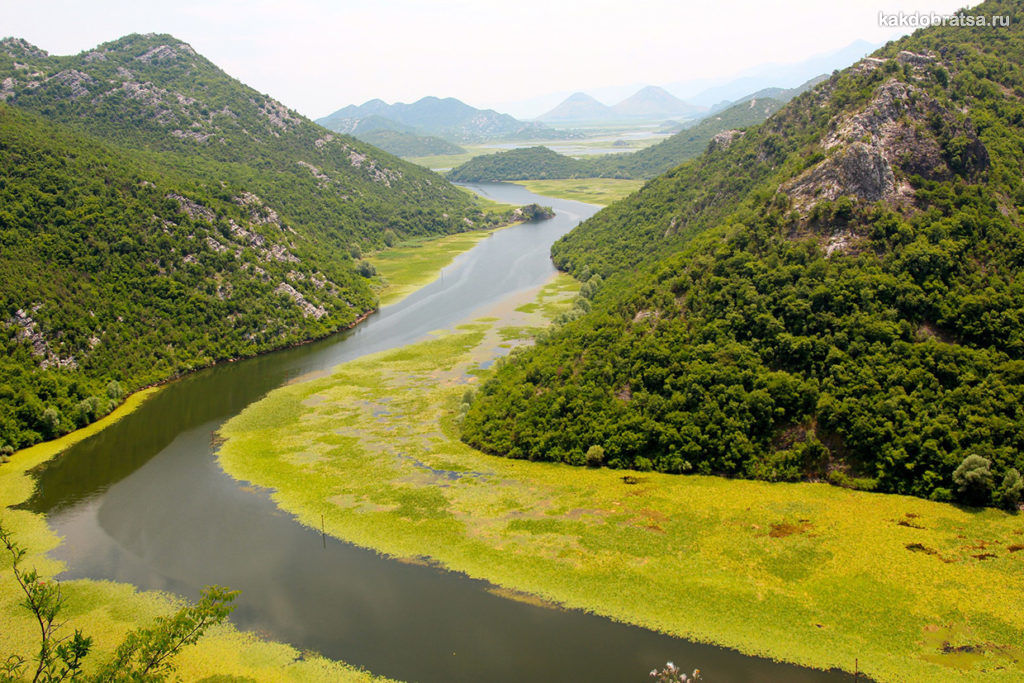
[(903, 588), (601, 191)]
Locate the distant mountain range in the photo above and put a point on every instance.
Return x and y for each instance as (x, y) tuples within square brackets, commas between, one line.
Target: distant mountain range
[(649, 103), (689, 140), (446, 118), (708, 92)]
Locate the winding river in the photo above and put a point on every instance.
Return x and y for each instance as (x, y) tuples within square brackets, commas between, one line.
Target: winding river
[(145, 502)]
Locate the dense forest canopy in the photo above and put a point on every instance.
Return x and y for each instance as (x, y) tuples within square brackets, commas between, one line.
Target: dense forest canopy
[(836, 294)]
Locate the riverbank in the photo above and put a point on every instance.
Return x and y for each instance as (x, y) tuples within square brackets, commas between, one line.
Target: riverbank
[(107, 611), (600, 191), (902, 588), (411, 265)]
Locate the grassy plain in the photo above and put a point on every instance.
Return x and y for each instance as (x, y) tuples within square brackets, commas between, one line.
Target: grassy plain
[(444, 162), (601, 191), (807, 573), (410, 265)]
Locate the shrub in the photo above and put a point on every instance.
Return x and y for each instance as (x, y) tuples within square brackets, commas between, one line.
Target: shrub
[(595, 456), (366, 269), (1009, 494), (973, 479), (114, 390)]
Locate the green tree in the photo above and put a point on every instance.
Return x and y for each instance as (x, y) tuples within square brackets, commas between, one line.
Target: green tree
[(366, 269), (1009, 494), (973, 479)]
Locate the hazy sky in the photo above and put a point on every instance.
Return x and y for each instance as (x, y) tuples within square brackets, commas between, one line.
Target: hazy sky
[(317, 55)]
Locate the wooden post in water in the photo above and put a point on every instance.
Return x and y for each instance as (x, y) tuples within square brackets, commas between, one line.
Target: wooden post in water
[(856, 668), (323, 533)]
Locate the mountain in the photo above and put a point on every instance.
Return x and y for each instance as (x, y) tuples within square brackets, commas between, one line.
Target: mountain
[(369, 124), (157, 216), (578, 107), (652, 103), (403, 144), (834, 295), (447, 118), (394, 137)]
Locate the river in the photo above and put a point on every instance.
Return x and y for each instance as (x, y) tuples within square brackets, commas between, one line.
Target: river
[(145, 502)]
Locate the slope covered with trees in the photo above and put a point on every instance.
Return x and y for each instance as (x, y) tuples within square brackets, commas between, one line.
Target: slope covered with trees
[(157, 216), (403, 144), (153, 93), (836, 294)]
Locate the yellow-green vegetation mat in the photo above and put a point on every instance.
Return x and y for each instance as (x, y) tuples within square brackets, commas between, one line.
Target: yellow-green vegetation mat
[(807, 573), (409, 266), (446, 161), (601, 191), (107, 611)]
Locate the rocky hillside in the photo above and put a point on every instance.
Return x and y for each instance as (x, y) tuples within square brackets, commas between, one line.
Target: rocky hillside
[(157, 216), (154, 93), (834, 295), (408, 144)]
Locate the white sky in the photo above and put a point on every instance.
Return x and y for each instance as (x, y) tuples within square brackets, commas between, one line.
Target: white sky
[(319, 55)]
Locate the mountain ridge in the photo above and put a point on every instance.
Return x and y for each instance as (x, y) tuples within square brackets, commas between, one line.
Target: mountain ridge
[(448, 118)]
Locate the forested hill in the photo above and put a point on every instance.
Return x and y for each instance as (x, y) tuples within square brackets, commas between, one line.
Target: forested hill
[(157, 216), (154, 93), (836, 294)]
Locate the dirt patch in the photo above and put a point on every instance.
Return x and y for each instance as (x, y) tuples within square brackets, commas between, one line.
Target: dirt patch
[(950, 649), (783, 529), (1015, 548), (919, 548), (908, 523)]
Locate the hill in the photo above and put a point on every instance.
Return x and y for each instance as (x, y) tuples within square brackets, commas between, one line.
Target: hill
[(833, 295), (158, 216), (447, 118), (578, 107), (403, 144), (535, 163), (653, 103)]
